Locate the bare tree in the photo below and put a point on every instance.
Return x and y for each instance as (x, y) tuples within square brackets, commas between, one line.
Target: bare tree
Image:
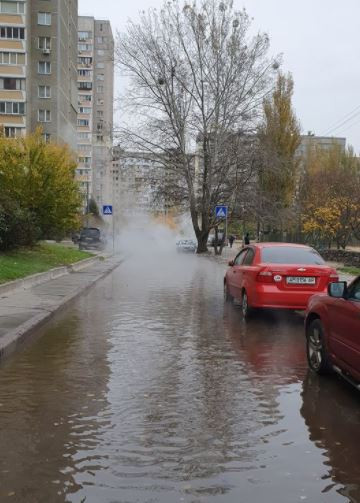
[(198, 81)]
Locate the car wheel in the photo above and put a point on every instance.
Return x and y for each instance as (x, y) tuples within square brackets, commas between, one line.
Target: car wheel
[(245, 307), (315, 349), (227, 296)]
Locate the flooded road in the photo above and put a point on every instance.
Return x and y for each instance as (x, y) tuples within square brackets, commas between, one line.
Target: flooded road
[(148, 389)]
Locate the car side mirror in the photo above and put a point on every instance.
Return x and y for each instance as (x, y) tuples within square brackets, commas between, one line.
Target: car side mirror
[(338, 289), (231, 263)]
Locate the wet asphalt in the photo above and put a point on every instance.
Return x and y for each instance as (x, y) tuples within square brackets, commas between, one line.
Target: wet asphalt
[(150, 389)]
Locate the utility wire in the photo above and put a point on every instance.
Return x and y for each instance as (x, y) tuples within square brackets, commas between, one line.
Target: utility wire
[(351, 126), (349, 116)]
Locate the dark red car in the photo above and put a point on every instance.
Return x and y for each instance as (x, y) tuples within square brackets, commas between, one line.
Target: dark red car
[(333, 330), (276, 275)]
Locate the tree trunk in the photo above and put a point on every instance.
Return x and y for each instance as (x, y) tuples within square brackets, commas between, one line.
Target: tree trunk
[(202, 239)]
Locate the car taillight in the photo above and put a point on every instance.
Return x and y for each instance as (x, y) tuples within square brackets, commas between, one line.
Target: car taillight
[(334, 278), (265, 277)]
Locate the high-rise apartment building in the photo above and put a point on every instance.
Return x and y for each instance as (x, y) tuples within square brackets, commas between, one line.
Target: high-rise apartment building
[(13, 64), (310, 141), (38, 53), (95, 107)]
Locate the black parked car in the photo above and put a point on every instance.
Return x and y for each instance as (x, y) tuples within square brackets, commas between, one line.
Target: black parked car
[(90, 239)]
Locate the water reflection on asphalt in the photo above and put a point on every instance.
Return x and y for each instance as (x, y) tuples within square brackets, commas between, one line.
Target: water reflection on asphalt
[(149, 389)]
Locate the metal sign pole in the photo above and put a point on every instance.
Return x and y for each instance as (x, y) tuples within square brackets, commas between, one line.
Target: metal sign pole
[(113, 232), (226, 227)]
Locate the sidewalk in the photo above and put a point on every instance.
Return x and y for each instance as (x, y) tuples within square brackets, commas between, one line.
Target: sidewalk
[(23, 310)]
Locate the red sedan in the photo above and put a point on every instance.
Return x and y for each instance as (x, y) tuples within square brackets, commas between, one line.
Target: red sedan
[(333, 330), (276, 275)]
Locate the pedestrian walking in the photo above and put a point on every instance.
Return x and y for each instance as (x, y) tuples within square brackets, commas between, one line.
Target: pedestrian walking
[(247, 239), (231, 240)]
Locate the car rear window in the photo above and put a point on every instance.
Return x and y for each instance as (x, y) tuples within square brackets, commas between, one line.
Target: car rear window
[(290, 255), (92, 233)]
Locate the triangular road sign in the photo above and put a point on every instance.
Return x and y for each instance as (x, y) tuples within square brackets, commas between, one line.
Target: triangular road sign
[(107, 210), (221, 213)]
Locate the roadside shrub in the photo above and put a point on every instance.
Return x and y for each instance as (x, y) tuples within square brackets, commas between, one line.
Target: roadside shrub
[(17, 226), (39, 197)]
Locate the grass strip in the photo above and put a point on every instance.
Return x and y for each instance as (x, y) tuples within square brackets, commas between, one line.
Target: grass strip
[(26, 261), (354, 271)]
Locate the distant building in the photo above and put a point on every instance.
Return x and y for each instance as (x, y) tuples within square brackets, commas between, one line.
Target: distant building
[(95, 108), (38, 52), (323, 142), (134, 177)]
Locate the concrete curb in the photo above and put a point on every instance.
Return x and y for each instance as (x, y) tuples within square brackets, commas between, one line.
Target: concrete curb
[(13, 340), (42, 277)]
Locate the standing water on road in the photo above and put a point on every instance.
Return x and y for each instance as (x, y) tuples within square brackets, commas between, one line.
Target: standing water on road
[(149, 389)]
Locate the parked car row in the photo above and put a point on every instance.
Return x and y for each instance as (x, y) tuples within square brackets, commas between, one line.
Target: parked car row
[(289, 276)]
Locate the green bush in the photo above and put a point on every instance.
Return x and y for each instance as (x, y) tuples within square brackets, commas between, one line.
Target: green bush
[(39, 195), (17, 226)]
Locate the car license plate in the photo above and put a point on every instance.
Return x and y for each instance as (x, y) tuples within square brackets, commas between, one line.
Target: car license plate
[(300, 280)]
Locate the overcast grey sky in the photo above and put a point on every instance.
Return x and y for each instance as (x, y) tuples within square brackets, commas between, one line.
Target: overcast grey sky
[(320, 43)]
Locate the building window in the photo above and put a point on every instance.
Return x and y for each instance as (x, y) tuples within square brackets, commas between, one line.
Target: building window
[(83, 136), (82, 122), (13, 132), (44, 43), (12, 32), (85, 73), (100, 65), (83, 148), (85, 160), (12, 108), (12, 84), (85, 97), (44, 67), (44, 116), (47, 137), (84, 110), (99, 113), (99, 137), (84, 85), (44, 18), (101, 52), (84, 60), (12, 7), (44, 92), (100, 89), (12, 58), (84, 47), (84, 35)]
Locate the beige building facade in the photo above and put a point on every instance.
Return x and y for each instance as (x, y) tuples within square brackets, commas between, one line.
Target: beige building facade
[(13, 67), (310, 141), (38, 76)]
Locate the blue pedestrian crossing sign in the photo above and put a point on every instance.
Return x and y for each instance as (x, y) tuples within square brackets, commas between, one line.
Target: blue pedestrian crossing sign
[(221, 211), (107, 209)]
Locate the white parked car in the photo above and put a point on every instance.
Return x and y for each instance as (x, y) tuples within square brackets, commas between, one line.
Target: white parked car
[(186, 245)]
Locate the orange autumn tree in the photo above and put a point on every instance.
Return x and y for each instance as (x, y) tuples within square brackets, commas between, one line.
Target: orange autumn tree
[(330, 196)]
